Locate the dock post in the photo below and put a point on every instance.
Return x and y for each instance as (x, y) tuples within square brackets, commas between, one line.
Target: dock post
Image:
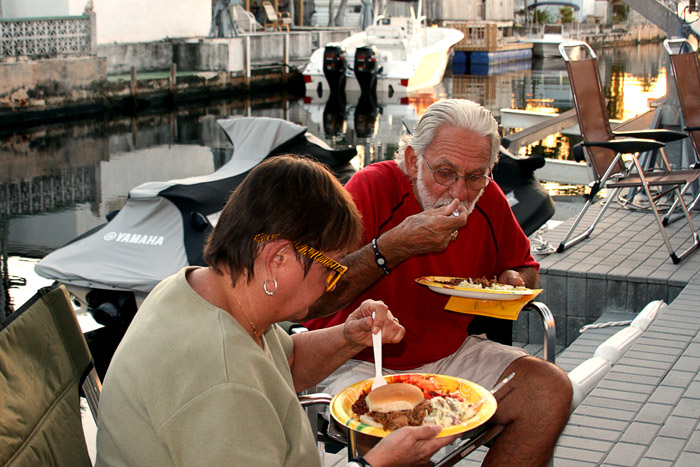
[(173, 72), (132, 85), (246, 65), (285, 57)]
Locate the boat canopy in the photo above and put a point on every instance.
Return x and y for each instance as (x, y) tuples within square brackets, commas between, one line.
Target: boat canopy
[(547, 3)]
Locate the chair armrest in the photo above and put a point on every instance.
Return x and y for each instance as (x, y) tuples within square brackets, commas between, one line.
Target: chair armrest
[(292, 328), (661, 135), (550, 333), (627, 145), (312, 399)]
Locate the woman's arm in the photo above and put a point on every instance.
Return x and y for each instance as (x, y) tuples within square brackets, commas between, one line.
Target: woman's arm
[(318, 353)]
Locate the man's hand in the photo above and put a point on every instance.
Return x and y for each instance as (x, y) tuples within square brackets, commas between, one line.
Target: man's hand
[(410, 445), (360, 325), (527, 277), (426, 232), (511, 277)]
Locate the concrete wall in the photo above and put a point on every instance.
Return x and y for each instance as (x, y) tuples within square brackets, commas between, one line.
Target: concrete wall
[(152, 20), (18, 81), (216, 54), (145, 56), (499, 10), (29, 9), (125, 20), (492, 10)]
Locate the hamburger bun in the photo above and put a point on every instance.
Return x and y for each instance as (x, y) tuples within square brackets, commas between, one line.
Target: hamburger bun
[(394, 397)]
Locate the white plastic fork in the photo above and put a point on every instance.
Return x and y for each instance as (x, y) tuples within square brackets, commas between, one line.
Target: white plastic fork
[(377, 347)]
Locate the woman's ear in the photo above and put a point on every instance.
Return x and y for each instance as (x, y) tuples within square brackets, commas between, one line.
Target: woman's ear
[(277, 256)]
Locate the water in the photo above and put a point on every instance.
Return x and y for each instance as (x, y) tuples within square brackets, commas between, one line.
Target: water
[(60, 181)]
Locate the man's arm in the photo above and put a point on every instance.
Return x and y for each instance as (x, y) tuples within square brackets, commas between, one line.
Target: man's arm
[(426, 232)]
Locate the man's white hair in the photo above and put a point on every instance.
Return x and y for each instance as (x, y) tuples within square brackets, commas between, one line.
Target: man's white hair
[(461, 113)]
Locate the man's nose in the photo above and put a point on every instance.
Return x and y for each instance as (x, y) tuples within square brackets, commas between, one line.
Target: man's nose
[(461, 191)]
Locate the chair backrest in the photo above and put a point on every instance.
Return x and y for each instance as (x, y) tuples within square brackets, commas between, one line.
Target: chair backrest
[(245, 19), (589, 100), (686, 72), (270, 11), (43, 361)]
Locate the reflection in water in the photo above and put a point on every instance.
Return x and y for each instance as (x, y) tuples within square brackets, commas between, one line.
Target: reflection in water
[(632, 77), (59, 181)]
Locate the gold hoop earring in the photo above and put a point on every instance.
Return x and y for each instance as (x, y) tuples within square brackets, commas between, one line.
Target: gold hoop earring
[(270, 292)]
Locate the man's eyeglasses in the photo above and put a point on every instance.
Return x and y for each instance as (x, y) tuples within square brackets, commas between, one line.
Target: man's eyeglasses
[(447, 177), (335, 269)]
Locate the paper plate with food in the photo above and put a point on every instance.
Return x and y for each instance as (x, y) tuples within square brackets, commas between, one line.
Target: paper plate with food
[(413, 399), (479, 288)]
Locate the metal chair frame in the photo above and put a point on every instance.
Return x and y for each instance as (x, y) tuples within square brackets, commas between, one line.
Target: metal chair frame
[(686, 73)]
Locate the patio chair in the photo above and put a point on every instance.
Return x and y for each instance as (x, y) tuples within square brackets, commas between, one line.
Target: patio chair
[(686, 73), (44, 361), (245, 20), (272, 19), (604, 150)]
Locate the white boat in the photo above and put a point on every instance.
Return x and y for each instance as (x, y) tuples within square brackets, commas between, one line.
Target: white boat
[(409, 55), (546, 44), (546, 39)]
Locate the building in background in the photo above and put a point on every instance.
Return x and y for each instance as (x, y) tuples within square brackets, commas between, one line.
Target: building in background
[(124, 20)]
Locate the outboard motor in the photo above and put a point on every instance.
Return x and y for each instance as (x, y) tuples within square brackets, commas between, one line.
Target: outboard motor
[(334, 67), (366, 68), (334, 115), (366, 115)]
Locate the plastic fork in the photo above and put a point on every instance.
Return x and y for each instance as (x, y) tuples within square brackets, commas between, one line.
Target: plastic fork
[(377, 347)]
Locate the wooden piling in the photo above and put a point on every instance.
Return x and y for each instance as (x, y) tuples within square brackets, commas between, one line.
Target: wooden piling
[(173, 75), (132, 85)]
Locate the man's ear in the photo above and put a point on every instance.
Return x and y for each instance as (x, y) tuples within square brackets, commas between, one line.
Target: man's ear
[(411, 159)]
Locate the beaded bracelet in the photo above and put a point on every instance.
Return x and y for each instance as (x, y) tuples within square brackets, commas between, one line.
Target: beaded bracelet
[(379, 259)]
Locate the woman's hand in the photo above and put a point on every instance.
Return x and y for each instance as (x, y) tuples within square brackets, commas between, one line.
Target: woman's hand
[(368, 319), (410, 445)]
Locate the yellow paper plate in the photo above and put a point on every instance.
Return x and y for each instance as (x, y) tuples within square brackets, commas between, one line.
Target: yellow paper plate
[(341, 405)]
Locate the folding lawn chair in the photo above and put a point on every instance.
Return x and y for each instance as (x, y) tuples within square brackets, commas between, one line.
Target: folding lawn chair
[(686, 72), (44, 361), (604, 150)]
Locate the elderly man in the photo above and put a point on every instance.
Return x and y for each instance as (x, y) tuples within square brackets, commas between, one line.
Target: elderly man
[(435, 211)]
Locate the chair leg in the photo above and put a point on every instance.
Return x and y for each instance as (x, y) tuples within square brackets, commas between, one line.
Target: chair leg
[(667, 217), (566, 243), (679, 198), (92, 387)]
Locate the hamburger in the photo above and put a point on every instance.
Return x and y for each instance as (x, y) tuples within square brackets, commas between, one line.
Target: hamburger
[(393, 406), (403, 404)]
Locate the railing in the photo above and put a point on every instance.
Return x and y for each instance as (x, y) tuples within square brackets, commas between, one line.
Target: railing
[(47, 37)]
